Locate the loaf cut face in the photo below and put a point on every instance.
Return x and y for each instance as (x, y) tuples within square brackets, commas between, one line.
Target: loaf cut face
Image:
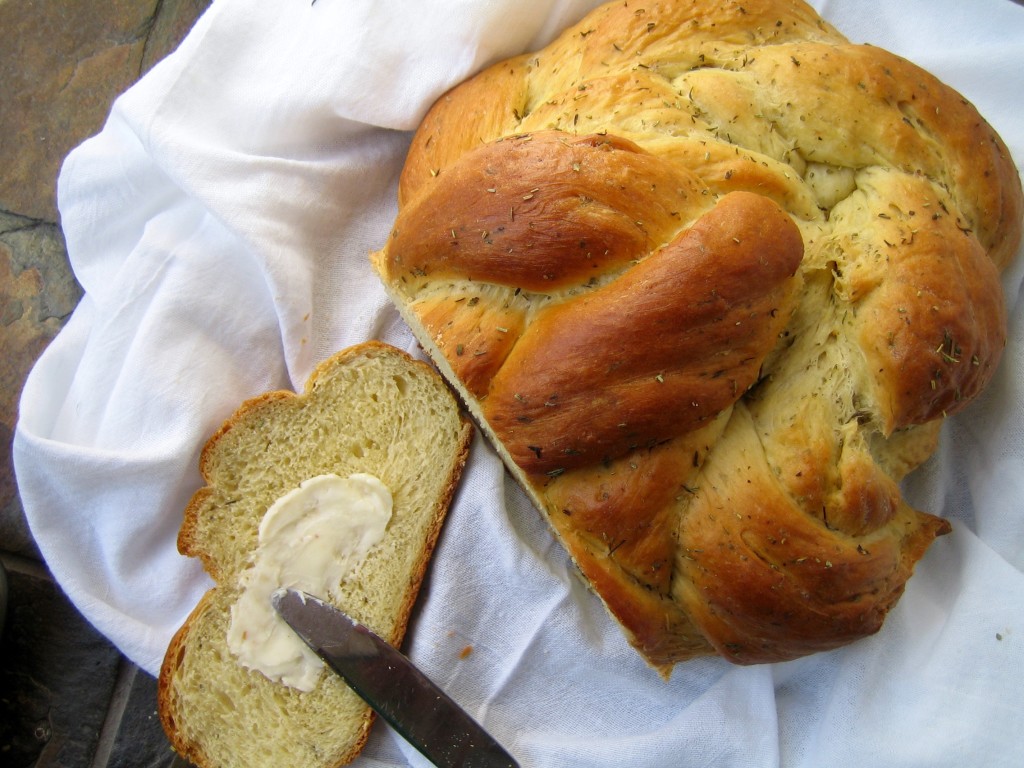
[(368, 409), (710, 277)]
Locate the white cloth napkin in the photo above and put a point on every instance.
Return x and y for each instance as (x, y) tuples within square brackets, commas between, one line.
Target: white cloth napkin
[(219, 225)]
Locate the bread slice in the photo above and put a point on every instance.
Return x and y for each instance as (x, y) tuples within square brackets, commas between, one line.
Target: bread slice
[(368, 409)]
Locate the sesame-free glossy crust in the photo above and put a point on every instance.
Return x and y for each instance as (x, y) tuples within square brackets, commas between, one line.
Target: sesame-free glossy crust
[(710, 277)]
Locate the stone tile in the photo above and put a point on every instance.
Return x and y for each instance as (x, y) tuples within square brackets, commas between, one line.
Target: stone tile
[(37, 293), (15, 535), (3, 604), (61, 66), (140, 740), (56, 678)]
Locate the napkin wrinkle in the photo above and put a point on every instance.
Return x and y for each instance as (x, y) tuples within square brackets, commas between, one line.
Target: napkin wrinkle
[(169, 320), (529, 638), (974, 480), (810, 697), (109, 577), (40, 414), (978, 27), (387, 326), (396, 69), (103, 185), (651, 731), (902, 679), (318, 235)]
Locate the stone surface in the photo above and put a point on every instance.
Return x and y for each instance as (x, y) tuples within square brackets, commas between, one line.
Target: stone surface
[(140, 741), (56, 678), (67, 696), (37, 293), (61, 66)]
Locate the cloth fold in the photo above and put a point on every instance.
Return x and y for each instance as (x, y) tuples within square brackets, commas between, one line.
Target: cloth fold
[(219, 224)]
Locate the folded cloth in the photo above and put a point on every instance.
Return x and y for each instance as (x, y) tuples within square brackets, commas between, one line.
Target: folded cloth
[(219, 224)]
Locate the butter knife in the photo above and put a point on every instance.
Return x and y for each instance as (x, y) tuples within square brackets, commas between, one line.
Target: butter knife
[(415, 706)]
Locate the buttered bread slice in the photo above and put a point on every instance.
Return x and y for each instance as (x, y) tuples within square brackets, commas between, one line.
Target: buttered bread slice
[(340, 490)]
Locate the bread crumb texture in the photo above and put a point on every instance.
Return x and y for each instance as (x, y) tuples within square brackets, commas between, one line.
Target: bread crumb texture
[(371, 409), (710, 276)]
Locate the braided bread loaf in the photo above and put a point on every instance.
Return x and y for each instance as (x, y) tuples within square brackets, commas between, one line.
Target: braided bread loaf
[(710, 277)]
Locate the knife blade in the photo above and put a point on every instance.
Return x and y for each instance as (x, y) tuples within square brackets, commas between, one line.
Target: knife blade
[(403, 695)]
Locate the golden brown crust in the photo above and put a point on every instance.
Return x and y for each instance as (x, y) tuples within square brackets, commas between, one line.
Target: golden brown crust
[(656, 352), (926, 319), (542, 212), (797, 583), (714, 406), (166, 709)]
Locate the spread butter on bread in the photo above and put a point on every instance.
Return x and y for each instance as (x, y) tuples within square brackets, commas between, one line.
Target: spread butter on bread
[(710, 278), (374, 431)]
